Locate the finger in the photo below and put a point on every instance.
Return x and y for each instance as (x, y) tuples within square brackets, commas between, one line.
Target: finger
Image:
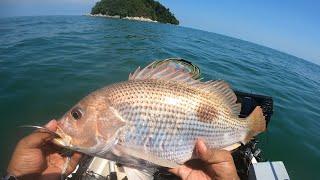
[(74, 161), (175, 170), (181, 171), (38, 138), (212, 156), (54, 165)]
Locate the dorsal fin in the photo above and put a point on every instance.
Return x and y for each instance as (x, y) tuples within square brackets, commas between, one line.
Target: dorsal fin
[(225, 92), (163, 72), (172, 73)]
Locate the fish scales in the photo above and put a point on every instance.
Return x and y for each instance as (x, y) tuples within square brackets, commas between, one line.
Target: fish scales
[(155, 118), (165, 117)]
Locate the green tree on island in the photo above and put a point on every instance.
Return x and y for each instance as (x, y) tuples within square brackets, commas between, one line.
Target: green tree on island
[(135, 8)]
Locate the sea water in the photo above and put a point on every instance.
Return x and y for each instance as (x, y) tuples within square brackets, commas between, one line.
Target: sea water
[(47, 64)]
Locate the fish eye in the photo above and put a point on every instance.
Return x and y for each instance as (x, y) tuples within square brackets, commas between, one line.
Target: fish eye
[(76, 113)]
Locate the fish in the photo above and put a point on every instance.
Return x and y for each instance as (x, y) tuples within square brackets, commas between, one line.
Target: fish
[(154, 119)]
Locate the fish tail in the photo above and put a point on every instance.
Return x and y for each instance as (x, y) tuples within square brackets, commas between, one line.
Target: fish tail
[(256, 123)]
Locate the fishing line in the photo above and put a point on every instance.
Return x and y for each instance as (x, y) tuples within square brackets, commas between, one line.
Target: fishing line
[(41, 128)]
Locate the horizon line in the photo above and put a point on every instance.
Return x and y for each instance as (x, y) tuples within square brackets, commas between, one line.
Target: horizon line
[(229, 36)]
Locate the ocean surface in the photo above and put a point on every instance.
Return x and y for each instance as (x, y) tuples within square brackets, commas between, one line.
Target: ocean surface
[(47, 64)]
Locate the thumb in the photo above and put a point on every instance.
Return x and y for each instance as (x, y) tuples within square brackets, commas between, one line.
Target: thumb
[(39, 137), (220, 163), (212, 156)]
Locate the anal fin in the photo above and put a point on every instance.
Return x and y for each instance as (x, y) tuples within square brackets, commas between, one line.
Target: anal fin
[(232, 147), (146, 156)]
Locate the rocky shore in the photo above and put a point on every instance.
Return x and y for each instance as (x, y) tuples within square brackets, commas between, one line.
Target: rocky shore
[(118, 17)]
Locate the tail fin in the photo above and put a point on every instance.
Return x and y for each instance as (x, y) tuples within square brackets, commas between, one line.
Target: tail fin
[(256, 123)]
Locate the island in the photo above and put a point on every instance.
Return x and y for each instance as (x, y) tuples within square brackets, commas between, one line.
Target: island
[(144, 10)]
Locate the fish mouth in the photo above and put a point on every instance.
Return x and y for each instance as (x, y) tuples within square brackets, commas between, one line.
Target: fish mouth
[(60, 138), (63, 139)]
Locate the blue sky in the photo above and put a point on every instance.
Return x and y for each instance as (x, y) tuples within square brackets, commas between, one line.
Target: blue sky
[(291, 26)]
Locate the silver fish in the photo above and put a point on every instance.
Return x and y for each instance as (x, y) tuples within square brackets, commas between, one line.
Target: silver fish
[(155, 118)]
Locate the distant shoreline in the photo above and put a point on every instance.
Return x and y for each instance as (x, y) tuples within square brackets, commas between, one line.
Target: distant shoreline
[(118, 17)]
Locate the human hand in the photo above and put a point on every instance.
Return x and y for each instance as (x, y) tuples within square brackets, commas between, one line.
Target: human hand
[(213, 164), (35, 157)]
